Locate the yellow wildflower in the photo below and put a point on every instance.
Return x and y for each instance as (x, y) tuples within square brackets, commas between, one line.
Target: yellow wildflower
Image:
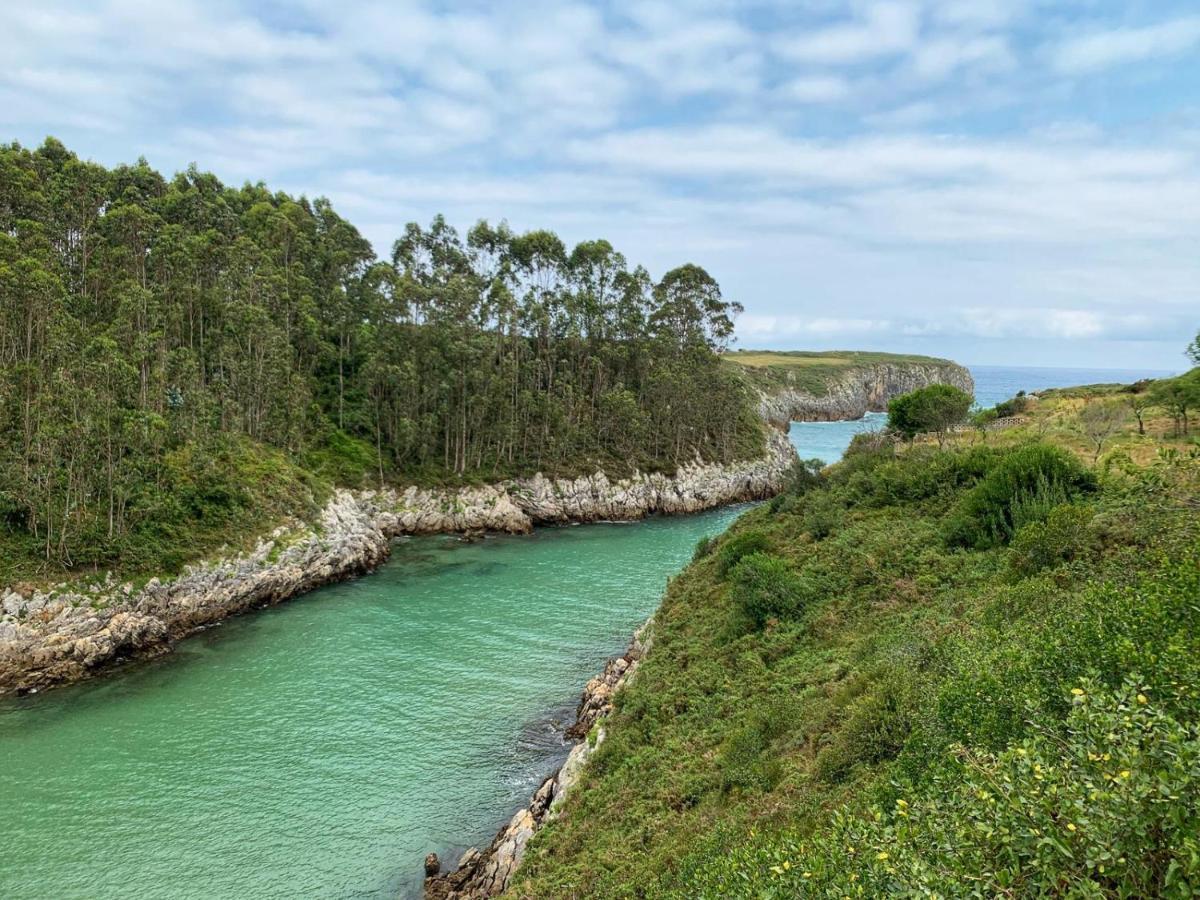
[(1070, 826), (881, 855), (1078, 692), (1142, 698)]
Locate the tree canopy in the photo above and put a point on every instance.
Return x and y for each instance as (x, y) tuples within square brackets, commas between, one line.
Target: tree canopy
[(935, 408), (150, 325)]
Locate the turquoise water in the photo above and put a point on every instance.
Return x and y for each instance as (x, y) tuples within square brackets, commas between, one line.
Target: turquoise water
[(321, 748), (826, 440)]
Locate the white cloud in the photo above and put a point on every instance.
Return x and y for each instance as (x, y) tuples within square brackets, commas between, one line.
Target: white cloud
[(851, 171), (942, 57), (1119, 46), (988, 323), (816, 89), (885, 28)]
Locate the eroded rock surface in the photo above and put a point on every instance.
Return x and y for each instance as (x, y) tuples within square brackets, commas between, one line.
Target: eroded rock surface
[(858, 391), (71, 631)]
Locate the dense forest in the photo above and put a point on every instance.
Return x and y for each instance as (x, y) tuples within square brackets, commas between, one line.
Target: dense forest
[(176, 351)]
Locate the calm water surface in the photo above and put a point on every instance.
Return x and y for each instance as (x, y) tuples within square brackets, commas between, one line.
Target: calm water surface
[(320, 748)]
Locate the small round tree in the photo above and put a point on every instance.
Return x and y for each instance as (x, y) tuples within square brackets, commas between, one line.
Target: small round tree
[(936, 409)]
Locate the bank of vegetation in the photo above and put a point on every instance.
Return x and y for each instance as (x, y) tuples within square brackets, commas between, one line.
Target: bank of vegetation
[(182, 361), (965, 670)]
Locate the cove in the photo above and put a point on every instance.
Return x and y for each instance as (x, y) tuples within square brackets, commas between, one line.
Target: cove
[(321, 747)]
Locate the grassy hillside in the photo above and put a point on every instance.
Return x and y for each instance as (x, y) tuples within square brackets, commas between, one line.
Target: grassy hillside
[(810, 370), (918, 673)]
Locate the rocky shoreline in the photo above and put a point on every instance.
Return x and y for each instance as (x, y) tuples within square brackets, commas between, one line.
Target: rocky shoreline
[(858, 391), (487, 873), (73, 631)]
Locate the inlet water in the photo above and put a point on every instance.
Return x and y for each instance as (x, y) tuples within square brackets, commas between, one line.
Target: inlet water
[(320, 748), (827, 441)]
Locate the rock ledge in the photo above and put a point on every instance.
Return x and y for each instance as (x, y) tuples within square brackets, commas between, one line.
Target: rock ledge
[(73, 631)]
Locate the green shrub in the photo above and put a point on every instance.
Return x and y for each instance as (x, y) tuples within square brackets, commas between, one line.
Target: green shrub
[(765, 587), (1109, 807), (704, 547), (823, 514), (935, 408), (1061, 538), (875, 730), (738, 546), (341, 458), (745, 761), (803, 476), (1021, 488)]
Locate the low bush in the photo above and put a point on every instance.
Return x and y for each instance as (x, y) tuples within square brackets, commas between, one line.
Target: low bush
[(1064, 536), (1108, 808), (1022, 487), (765, 587), (738, 546)]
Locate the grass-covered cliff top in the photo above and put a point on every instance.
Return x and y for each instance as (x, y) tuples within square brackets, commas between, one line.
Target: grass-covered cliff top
[(812, 370), (921, 672)]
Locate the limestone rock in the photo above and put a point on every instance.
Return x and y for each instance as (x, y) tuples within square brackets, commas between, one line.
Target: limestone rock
[(858, 391), (69, 632)]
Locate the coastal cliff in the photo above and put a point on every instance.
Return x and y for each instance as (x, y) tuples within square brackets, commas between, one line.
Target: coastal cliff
[(855, 392), (72, 631)]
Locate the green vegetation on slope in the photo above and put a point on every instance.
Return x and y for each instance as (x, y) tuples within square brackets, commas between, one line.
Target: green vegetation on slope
[(180, 359), (961, 672), (812, 371)]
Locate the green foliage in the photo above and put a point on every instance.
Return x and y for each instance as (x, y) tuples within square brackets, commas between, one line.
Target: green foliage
[(704, 547), (1022, 488), (822, 514), (1014, 406), (765, 587), (739, 759), (144, 317), (875, 730), (1179, 397), (929, 409), (341, 458), (1109, 807), (1062, 537), (735, 547)]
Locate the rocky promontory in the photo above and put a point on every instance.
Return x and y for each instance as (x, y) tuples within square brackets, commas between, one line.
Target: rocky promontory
[(71, 631), (858, 391), (829, 387)]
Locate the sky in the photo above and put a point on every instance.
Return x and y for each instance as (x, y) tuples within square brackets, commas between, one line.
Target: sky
[(997, 181)]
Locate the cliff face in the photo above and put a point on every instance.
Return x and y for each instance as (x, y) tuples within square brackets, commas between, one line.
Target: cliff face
[(861, 389), (71, 632)]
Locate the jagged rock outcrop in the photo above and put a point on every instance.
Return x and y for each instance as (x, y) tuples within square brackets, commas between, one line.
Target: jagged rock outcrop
[(69, 632), (857, 391), (487, 873)]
